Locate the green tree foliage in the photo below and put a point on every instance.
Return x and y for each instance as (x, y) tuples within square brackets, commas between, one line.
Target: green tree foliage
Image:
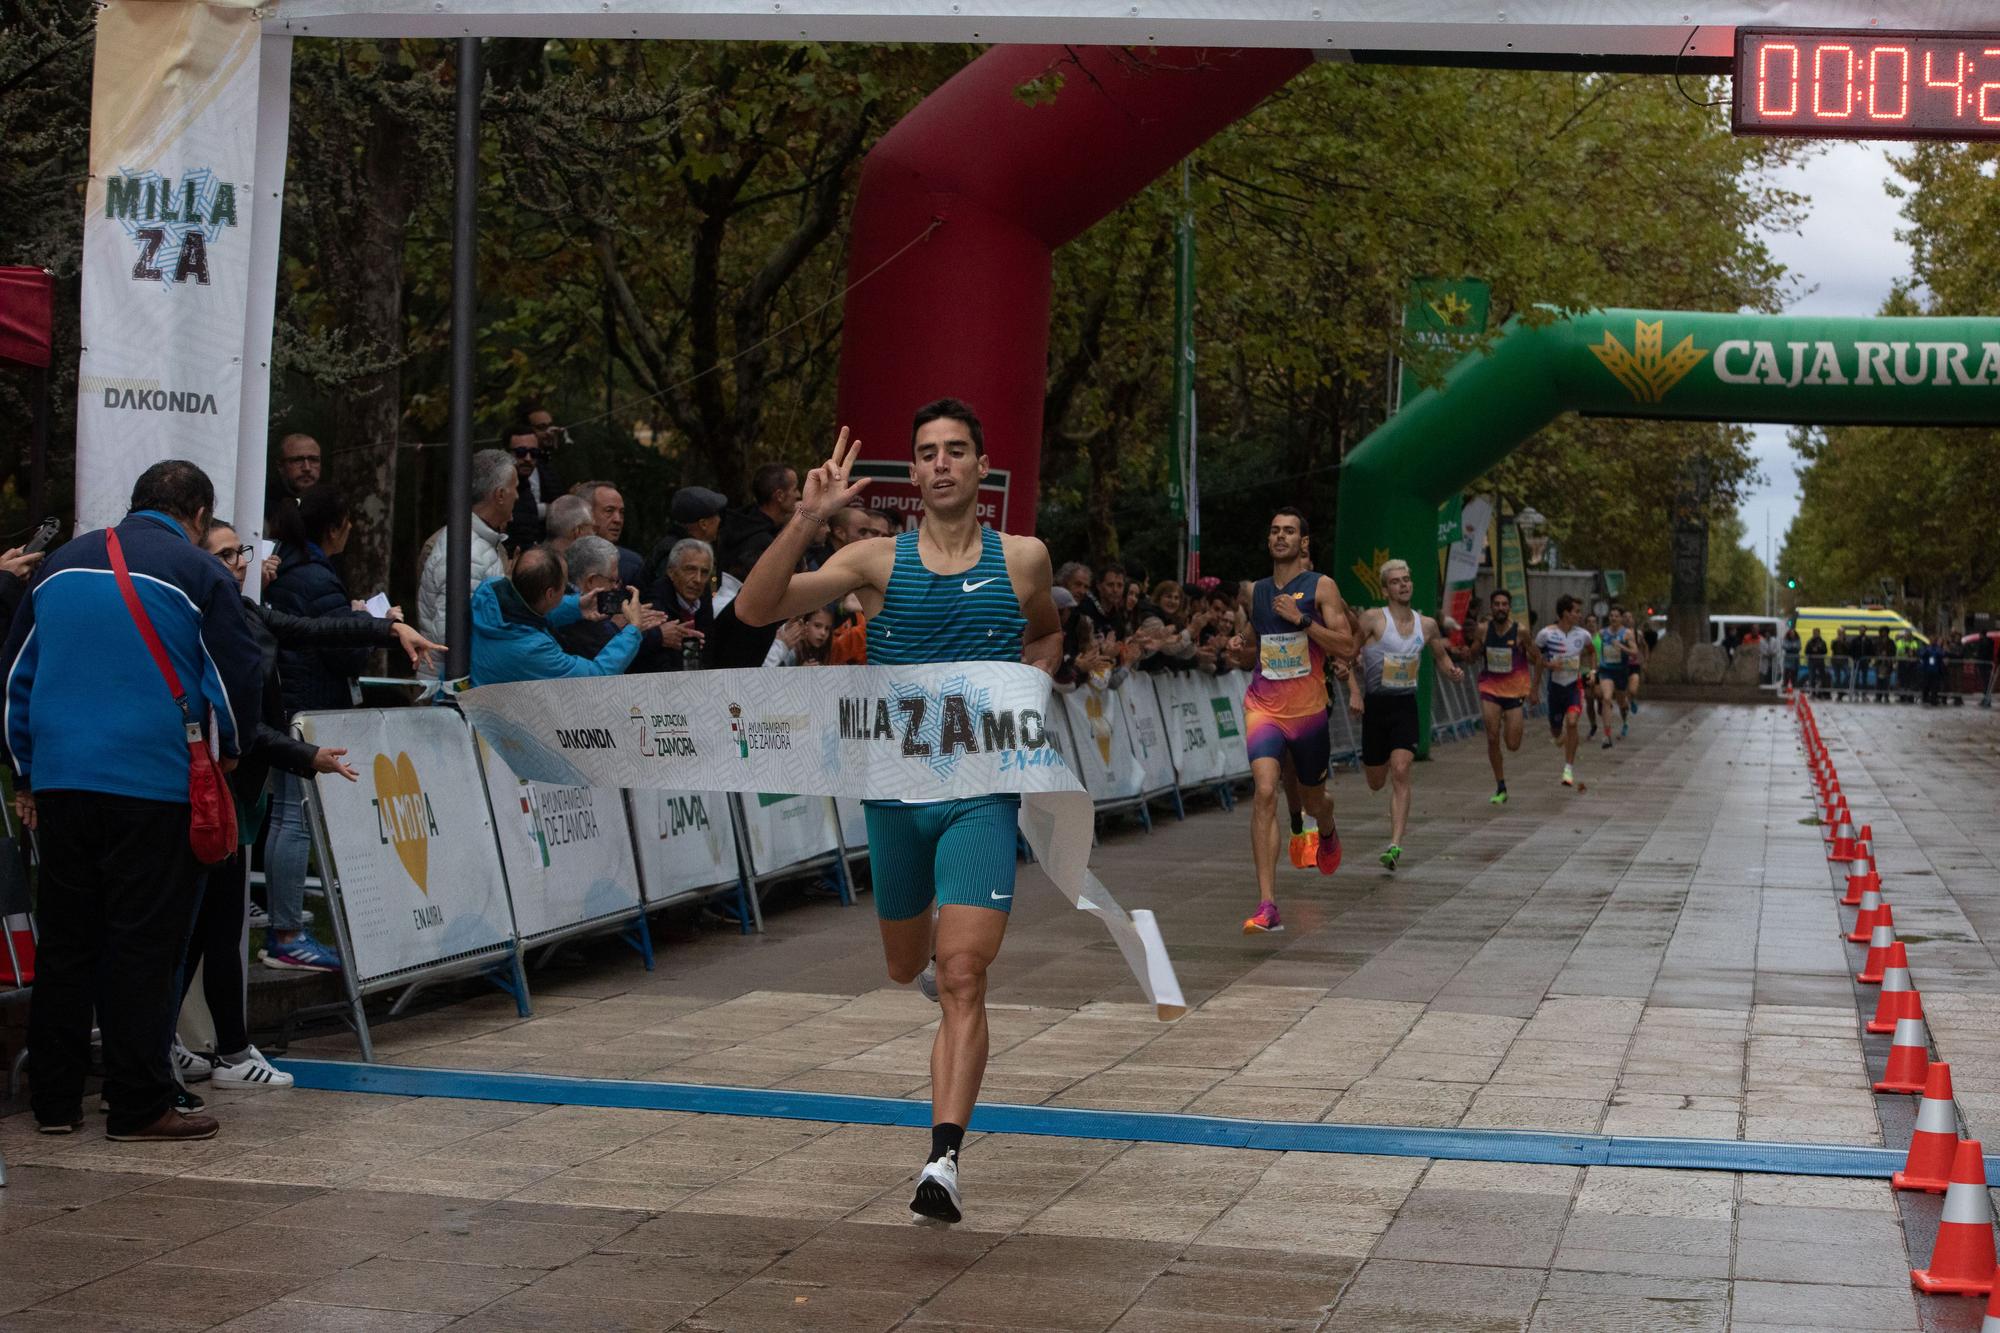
[(1565, 191), (662, 256), (1737, 578), (45, 53), (1908, 504)]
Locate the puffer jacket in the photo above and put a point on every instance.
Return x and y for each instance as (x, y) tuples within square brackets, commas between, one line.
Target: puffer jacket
[(489, 561), (309, 587)]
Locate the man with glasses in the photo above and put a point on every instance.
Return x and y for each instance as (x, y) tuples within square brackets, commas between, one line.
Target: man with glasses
[(298, 470)]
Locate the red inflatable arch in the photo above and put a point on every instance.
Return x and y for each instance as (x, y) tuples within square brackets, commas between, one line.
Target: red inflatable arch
[(993, 183)]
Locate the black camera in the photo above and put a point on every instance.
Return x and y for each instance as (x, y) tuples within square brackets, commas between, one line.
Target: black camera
[(610, 601)]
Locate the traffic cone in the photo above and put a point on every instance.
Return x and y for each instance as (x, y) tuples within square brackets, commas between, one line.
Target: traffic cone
[(1962, 1261), (1935, 1143), (1864, 847), (1991, 1323), (1844, 846), (1839, 830), (1875, 966), (1858, 885), (1871, 912), (1909, 1060), (1899, 999)]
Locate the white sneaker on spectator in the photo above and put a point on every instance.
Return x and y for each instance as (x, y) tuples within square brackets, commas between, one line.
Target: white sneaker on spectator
[(251, 1070), (193, 1068)]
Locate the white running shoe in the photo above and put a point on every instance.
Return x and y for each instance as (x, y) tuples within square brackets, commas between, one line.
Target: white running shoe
[(191, 1067), (927, 980), (937, 1201), (252, 1071)]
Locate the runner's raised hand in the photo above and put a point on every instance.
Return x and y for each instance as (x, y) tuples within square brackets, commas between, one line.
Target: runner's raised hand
[(827, 487)]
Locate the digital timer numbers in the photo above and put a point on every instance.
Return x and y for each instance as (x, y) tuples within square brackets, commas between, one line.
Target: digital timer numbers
[(1879, 85)]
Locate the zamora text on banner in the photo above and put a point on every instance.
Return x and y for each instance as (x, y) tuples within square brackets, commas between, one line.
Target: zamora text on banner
[(941, 732)]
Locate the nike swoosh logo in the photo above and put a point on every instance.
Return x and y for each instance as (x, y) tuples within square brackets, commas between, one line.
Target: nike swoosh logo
[(974, 587), (1001, 897)]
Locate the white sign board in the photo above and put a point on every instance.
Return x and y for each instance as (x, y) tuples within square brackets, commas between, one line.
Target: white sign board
[(1192, 733), (567, 850), (1225, 701), (1141, 697), (785, 830), (1103, 757), (685, 839), (412, 843)]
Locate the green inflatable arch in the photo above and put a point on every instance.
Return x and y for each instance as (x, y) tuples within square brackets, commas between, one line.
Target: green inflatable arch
[(1644, 363)]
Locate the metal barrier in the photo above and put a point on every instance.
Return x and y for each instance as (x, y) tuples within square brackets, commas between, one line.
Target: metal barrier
[(1895, 679)]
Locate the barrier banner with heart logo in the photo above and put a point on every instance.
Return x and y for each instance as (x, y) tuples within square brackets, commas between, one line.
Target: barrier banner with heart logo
[(411, 841), (941, 732)]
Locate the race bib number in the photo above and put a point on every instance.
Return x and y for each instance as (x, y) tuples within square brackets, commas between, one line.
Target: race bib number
[(1614, 653), (1284, 656), (1570, 665), (1499, 661), (1399, 670)]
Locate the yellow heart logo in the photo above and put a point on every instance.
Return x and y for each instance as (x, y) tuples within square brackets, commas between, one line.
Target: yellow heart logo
[(1100, 726), (403, 816)]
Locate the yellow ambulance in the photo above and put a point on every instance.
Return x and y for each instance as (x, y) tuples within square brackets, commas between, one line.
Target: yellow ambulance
[(1833, 621)]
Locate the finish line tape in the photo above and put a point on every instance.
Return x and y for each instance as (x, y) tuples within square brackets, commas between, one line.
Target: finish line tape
[(1466, 1145)]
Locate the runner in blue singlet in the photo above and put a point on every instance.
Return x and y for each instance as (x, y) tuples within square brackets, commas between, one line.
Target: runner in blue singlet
[(948, 590)]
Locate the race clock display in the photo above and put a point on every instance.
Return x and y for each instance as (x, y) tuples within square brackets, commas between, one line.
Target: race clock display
[(1867, 84)]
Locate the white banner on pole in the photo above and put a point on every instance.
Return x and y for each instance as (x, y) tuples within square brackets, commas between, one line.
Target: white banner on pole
[(946, 731), (166, 255), (685, 839), (785, 830), (567, 850), (1104, 756), (412, 844)]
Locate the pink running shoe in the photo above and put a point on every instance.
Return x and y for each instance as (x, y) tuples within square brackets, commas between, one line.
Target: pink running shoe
[(1329, 851), (1265, 921)]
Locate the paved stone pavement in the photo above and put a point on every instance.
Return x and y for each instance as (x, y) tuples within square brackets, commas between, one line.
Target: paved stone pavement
[(1655, 955)]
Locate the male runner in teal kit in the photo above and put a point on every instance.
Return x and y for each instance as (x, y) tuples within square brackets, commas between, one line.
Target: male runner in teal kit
[(945, 591)]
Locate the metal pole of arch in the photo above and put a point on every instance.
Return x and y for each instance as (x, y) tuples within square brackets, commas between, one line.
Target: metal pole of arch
[(464, 311)]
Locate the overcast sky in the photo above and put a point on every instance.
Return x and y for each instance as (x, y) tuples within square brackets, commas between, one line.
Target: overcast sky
[(1848, 254)]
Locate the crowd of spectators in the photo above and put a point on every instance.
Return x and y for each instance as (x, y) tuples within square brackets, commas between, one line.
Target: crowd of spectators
[(261, 636)]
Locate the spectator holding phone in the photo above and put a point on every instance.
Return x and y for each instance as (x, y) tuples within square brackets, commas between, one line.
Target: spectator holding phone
[(18, 566), (515, 619), (593, 573)]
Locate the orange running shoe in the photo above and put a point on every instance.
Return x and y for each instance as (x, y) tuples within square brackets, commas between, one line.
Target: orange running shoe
[(1304, 848)]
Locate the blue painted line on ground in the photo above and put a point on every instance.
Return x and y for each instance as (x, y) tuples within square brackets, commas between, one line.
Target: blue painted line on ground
[(1468, 1145)]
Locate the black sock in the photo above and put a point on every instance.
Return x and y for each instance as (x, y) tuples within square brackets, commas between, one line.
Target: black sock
[(1298, 824), (1503, 785), (945, 1139)]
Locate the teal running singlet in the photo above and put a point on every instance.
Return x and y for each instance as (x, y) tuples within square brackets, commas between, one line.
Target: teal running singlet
[(950, 852), (926, 617)]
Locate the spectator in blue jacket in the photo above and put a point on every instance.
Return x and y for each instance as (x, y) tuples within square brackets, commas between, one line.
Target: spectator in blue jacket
[(514, 621), (92, 728), (316, 677)]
